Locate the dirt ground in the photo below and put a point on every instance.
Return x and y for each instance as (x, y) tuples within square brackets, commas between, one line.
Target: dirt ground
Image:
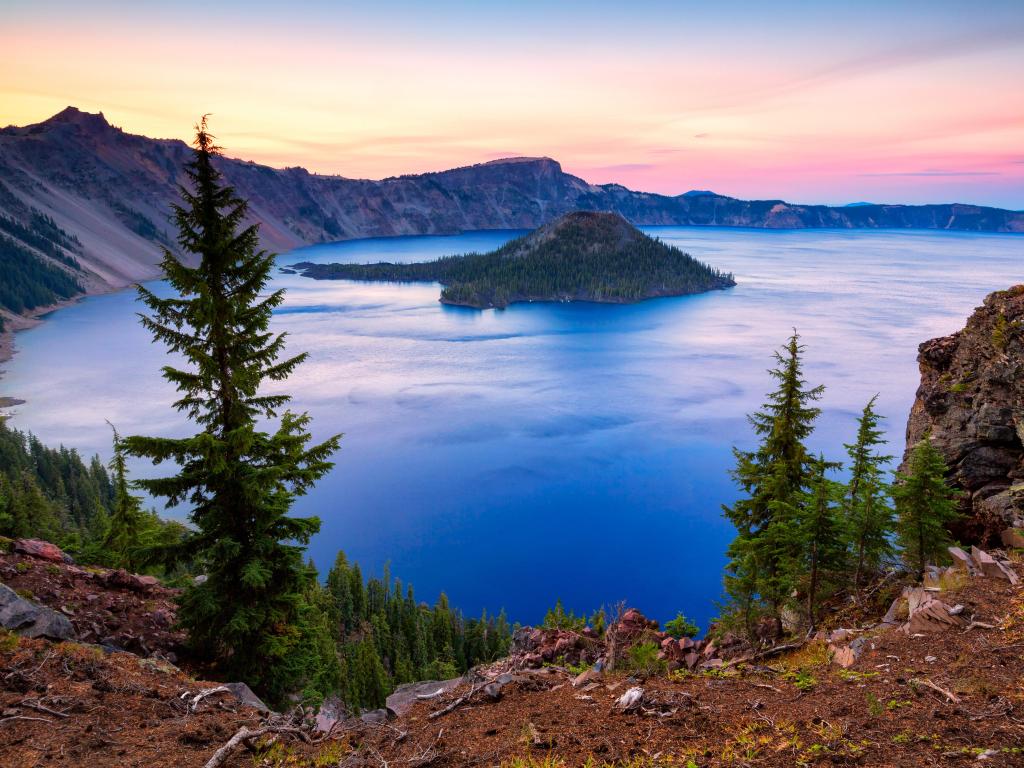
[(953, 698)]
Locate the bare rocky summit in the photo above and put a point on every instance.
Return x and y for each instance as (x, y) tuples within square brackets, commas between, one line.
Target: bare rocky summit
[(971, 405)]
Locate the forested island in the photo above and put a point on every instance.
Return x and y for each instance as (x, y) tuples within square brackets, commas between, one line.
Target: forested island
[(582, 256)]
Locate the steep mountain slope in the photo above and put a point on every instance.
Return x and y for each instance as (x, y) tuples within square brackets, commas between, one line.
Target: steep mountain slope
[(113, 190)]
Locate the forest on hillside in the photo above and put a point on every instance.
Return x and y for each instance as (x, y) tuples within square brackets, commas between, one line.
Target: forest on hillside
[(586, 258), (37, 262)]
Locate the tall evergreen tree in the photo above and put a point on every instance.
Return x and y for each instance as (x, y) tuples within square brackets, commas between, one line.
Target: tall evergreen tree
[(772, 478), (127, 521), (239, 480), (869, 515), (925, 505), (823, 540)]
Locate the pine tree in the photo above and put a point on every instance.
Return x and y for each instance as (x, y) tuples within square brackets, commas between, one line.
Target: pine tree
[(823, 540), (240, 481), (772, 478), (925, 505), (869, 515), (127, 521)]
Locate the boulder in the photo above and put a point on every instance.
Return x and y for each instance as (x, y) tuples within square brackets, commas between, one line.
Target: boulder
[(405, 696), (961, 559), (991, 567), (245, 696), (44, 550), (374, 716), (30, 619), (932, 616)]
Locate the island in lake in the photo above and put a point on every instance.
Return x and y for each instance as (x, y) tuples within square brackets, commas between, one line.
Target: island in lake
[(582, 256)]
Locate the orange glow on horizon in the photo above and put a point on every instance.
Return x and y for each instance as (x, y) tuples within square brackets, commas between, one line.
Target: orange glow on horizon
[(913, 129)]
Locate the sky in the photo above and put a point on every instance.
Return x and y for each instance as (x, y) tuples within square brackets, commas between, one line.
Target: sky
[(815, 102)]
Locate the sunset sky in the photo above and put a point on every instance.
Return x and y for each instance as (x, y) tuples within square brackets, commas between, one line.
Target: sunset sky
[(808, 101)]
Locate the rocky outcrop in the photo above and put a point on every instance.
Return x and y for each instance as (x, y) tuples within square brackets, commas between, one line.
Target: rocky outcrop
[(970, 404), (31, 619)]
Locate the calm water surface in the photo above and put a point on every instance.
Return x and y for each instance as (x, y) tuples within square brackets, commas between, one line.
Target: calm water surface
[(550, 450)]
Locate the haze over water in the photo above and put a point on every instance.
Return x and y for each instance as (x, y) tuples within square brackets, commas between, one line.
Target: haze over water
[(578, 451)]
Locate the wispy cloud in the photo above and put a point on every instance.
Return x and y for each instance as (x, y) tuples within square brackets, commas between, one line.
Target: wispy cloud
[(933, 173)]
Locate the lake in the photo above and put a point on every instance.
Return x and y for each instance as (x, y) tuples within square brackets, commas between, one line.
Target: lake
[(578, 451)]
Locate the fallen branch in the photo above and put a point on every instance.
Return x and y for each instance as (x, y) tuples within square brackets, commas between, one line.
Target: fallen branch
[(25, 717), (455, 704), (768, 652), (246, 734), (42, 708), (980, 625), (938, 689), (428, 696), (194, 702)]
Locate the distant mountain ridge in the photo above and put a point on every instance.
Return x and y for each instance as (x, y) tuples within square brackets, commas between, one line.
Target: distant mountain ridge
[(111, 191), (581, 256)]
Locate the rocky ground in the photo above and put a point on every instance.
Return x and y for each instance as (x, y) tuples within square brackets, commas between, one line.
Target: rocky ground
[(937, 681)]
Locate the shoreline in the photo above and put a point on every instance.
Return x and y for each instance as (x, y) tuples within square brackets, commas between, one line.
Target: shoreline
[(14, 324)]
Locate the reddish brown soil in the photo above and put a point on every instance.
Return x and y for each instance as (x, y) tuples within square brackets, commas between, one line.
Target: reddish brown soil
[(120, 710), (871, 715), (136, 620)]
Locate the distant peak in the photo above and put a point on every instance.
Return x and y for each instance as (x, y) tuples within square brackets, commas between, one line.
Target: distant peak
[(700, 193), (75, 116), (520, 161)]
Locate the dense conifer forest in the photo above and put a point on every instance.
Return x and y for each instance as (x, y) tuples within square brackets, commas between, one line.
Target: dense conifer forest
[(581, 257), (28, 277)]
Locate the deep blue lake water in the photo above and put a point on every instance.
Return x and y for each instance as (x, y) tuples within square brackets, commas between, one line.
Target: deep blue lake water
[(549, 450)]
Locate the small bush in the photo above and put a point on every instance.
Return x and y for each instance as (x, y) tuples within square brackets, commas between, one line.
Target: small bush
[(642, 659), (557, 618), (681, 626)]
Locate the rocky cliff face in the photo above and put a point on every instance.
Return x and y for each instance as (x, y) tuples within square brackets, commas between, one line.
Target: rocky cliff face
[(971, 404), (113, 191)]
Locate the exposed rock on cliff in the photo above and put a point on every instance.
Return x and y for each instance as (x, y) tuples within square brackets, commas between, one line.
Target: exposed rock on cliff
[(971, 404)]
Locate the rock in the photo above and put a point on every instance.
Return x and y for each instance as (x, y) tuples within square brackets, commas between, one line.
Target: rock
[(121, 579), (374, 716), (585, 677), (199, 580), (1013, 538), (991, 568), (691, 660), (30, 619), (844, 656), (712, 664), (932, 616), (630, 700), (405, 696), (971, 404), (44, 550), (961, 559), (493, 690), (245, 696), (898, 612), (331, 712)]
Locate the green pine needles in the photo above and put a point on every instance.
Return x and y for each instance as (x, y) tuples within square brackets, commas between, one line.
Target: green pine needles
[(804, 538), (773, 477), (239, 480), (926, 505)]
